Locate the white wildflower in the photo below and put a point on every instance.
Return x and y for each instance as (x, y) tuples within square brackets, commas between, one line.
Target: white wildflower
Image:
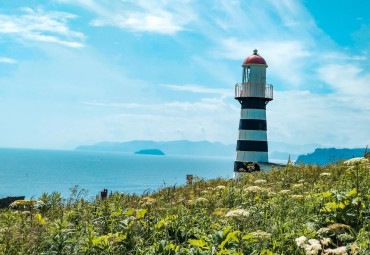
[(325, 174), (307, 195), (261, 234), (337, 251), (313, 241), (297, 186), (356, 161), (297, 197), (325, 241), (220, 187), (322, 231), (284, 192), (354, 248), (300, 241), (345, 237), (237, 214), (253, 189), (301, 181), (259, 182), (201, 199), (21, 204), (313, 247)]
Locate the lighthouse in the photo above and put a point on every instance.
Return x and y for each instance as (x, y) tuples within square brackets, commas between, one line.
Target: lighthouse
[(253, 95)]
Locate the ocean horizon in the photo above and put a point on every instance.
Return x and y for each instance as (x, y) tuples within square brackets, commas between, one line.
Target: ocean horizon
[(31, 172)]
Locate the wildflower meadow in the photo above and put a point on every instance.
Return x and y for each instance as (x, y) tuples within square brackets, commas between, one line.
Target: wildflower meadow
[(303, 209)]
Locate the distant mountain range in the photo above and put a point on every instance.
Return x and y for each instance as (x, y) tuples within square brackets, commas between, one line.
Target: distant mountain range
[(280, 151), (330, 155), (308, 154)]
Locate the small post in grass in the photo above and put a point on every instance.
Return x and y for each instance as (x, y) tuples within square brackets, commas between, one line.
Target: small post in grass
[(104, 194), (189, 178)]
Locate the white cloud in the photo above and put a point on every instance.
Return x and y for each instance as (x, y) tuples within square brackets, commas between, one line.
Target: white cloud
[(175, 107), (291, 13), (347, 79), (285, 58), (40, 26), (178, 120), (164, 17), (142, 22), (118, 105), (340, 56), (199, 89), (8, 60), (210, 118), (330, 120)]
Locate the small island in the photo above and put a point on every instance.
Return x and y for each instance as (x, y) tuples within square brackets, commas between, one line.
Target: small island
[(150, 152)]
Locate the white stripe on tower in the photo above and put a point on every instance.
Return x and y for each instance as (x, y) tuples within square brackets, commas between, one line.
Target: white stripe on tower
[(254, 114), (251, 156), (252, 135)]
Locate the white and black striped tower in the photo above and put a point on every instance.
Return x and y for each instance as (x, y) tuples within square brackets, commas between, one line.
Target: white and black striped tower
[(253, 94)]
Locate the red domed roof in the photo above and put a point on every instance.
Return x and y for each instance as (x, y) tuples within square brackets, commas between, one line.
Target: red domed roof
[(254, 59)]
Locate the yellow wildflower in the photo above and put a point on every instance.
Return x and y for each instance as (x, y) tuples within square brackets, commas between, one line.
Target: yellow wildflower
[(338, 225)]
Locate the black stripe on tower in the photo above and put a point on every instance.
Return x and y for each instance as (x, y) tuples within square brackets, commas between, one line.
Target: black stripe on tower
[(253, 103), (249, 124), (247, 145)]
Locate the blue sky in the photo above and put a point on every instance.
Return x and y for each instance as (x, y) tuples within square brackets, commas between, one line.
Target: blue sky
[(78, 72)]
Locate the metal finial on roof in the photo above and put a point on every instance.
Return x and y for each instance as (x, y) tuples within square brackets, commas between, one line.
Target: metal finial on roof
[(255, 52)]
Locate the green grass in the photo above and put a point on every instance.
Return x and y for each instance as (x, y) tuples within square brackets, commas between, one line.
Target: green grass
[(293, 210)]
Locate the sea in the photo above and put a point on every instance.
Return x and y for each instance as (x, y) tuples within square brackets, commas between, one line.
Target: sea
[(29, 173)]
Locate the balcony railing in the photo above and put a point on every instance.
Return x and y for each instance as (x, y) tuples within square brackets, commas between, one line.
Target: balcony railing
[(250, 89)]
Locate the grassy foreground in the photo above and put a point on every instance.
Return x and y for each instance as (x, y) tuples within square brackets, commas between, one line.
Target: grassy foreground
[(293, 210)]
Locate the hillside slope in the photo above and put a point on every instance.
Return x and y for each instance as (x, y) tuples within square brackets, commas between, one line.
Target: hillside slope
[(293, 210), (330, 155)]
